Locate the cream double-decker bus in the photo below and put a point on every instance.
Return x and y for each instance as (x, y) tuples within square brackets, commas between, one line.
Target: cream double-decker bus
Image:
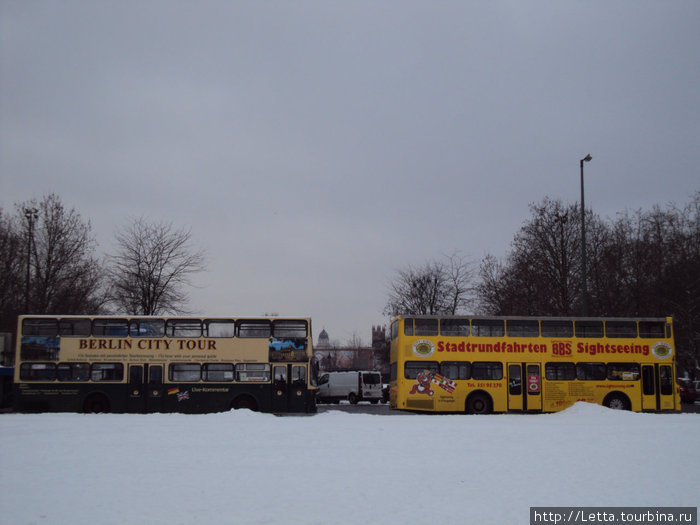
[(163, 364), (480, 365)]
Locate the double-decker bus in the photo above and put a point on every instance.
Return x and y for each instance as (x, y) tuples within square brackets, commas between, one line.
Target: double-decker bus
[(480, 365), (163, 364)]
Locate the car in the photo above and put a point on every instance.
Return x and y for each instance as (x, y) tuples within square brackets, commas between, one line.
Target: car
[(697, 385), (687, 390)]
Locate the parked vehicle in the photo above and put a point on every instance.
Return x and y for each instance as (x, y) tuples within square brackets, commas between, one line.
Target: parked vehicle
[(357, 386), (687, 391)]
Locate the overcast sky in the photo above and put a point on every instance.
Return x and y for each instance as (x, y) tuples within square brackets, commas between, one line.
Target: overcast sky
[(314, 148)]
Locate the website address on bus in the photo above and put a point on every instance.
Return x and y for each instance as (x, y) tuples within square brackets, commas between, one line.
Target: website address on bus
[(585, 515)]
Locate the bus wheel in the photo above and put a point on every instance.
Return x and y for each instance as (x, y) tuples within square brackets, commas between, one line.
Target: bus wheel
[(479, 403), (95, 404), (352, 397), (244, 402), (617, 402)]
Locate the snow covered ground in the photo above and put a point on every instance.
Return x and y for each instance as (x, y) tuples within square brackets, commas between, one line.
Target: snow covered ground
[(338, 468)]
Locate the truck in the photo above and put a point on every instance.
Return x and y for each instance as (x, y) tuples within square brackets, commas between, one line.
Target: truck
[(363, 385)]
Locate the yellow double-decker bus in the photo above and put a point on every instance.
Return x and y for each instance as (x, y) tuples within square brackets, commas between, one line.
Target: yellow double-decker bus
[(480, 365), (163, 364)]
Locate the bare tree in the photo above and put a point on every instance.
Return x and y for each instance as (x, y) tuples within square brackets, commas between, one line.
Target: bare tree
[(68, 278), (58, 258), (437, 287), (152, 265), (13, 262)]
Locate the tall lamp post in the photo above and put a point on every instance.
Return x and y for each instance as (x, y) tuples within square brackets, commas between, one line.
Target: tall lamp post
[(584, 275), (31, 214)]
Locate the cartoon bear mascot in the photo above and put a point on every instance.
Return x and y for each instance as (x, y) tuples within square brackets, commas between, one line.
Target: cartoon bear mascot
[(422, 385)]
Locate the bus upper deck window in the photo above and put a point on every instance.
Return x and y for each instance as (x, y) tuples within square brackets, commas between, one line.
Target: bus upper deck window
[(408, 326), (110, 327), (219, 328), (621, 329), (147, 328), (589, 328), (184, 328), (454, 327), (288, 329), (74, 327), (47, 327), (557, 328), (523, 328), (426, 326), (253, 328), (488, 327), (652, 329)]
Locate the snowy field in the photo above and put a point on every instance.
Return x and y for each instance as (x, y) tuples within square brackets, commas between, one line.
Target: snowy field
[(338, 468)]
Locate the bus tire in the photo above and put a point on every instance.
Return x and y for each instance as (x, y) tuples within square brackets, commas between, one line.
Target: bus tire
[(96, 404), (352, 397), (244, 401), (617, 401), (479, 403)]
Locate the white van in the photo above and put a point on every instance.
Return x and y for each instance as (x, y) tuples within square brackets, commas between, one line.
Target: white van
[(353, 386)]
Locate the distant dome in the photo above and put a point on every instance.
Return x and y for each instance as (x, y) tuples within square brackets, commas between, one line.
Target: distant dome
[(323, 340)]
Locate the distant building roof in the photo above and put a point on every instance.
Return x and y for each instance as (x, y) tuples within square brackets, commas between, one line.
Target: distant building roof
[(323, 340)]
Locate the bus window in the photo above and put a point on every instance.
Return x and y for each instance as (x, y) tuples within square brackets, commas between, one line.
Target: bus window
[(454, 327), (219, 328), (147, 328), (621, 329), (284, 329), (665, 380), (73, 371), (220, 372), (648, 380), (408, 326), (110, 327), (280, 374), (186, 372), (589, 328), (155, 375), (455, 369), (559, 371), (74, 327), (253, 328), (183, 328), (652, 329), (623, 371), (394, 330), (253, 372), (590, 371), (299, 375), (552, 328), (486, 370), (426, 326), (523, 328), (47, 327), (515, 382), (411, 369), (107, 372), (37, 371), (488, 327)]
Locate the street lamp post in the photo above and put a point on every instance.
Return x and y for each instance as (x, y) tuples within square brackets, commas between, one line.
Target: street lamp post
[(584, 276), (31, 214)]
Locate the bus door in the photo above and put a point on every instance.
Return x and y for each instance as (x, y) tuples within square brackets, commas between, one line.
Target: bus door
[(524, 387), (146, 390), (657, 387), (289, 390), (515, 386)]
